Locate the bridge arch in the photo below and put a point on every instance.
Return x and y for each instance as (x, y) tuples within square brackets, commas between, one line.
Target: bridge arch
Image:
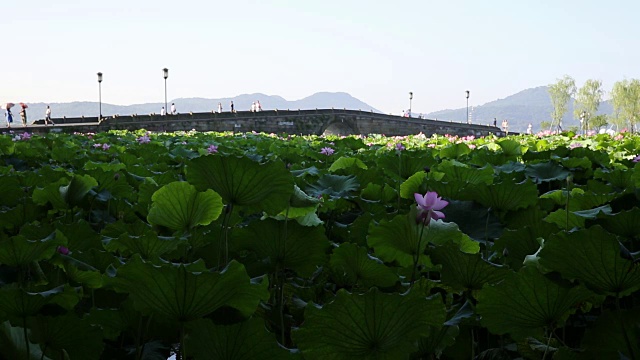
[(341, 127)]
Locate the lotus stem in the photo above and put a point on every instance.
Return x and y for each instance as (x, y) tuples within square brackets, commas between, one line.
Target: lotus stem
[(548, 343), (624, 331), (417, 255), (26, 336)]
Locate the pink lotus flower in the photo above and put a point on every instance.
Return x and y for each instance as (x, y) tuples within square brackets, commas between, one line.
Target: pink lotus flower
[(429, 206), (105, 147), (63, 250), (400, 147), (97, 145), (327, 151), (143, 139), (212, 149), (636, 159), (618, 137)]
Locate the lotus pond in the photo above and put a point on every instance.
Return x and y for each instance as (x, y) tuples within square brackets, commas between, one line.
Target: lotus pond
[(137, 245)]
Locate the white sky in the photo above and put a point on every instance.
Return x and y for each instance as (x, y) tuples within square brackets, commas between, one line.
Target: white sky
[(377, 51)]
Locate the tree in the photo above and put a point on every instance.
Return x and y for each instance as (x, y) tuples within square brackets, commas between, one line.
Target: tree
[(626, 102), (598, 121), (560, 94), (587, 102)]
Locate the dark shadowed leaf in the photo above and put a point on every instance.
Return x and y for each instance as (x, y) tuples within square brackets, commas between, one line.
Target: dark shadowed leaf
[(243, 341), (303, 250), (605, 339), (526, 302), (505, 195), (370, 326), (573, 256), (464, 271), (179, 293), (77, 189), (352, 265), (69, 333), (18, 250), (546, 171)]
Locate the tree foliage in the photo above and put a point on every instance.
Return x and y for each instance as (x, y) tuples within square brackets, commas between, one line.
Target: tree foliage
[(625, 97), (588, 100), (560, 94)]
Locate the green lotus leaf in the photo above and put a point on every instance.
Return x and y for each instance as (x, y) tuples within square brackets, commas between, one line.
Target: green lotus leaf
[(336, 186), (438, 339), (449, 190), (12, 343), (370, 326), (243, 182), (112, 321), (397, 240), (565, 221), (179, 293), (526, 302), (149, 245), (473, 219), (352, 265), (246, 340), (75, 336), (505, 195), (16, 303), (546, 171), (112, 183), (624, 223), (79, 235), (456, 171), (455, 151), (442, 233), (606, 339), (21, 214), (405, 165), (412, 185), (464, 271), (179, 206), (51, 194), (510, 167), (381, 193), (77, 189), (515, 245), (285, 245), (299, 199), (619, 178), (10, 191), (511, 148), (106, 167), (573, 256), (19, 251), (347, 162)]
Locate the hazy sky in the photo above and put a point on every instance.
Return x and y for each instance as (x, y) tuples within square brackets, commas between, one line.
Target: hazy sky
[(377, 51)]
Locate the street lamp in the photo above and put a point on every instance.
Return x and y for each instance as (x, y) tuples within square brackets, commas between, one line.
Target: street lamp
[(165, 71), (468, 122), (410, 98), (100, 93)]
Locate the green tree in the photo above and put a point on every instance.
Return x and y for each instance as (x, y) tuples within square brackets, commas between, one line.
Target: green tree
[(587, 102), (598, 121), (560, 94), (626, 103)]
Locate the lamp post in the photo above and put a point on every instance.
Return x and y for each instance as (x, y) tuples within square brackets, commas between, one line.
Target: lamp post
[(468, 122), (165, 72), (410, 98), (100, 94)]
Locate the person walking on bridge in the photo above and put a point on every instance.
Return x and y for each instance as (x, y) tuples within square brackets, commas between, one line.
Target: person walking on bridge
[(23, 114), (219, 108), (47, 116), (232, 108), (173, 109)]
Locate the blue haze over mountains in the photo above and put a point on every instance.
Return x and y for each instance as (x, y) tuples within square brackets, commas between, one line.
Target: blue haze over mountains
[(528, 106)]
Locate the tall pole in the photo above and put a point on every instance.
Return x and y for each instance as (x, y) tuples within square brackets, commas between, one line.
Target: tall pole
[(468, 107), (100, 94), (410, 98), (165, 72)]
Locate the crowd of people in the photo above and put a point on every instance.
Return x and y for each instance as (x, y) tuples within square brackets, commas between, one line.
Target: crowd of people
[(255, 107)]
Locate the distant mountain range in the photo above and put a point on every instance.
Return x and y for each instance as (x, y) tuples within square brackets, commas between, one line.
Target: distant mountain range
[(527, 106), (321, 100)]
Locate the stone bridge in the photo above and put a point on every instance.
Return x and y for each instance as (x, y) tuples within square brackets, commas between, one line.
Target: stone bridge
[(306, 122)]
